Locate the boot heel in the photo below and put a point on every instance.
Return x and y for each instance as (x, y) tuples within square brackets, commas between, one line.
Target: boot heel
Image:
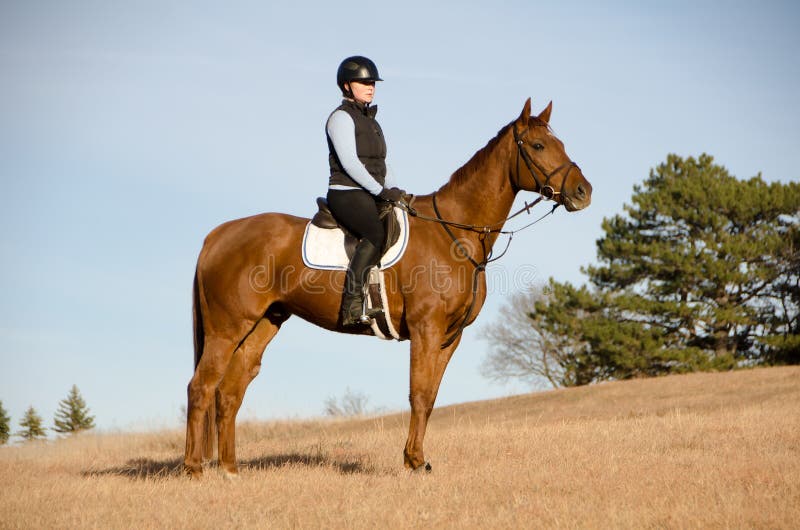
[(369, 314)]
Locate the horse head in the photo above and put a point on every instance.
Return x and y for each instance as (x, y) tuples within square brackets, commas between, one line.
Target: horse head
[(542, 163)]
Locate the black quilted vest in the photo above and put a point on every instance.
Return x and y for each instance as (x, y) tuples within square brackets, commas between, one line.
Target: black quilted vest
[(370, 145)]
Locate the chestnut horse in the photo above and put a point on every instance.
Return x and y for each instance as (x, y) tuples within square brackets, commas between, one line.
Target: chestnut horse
[(250, 278)]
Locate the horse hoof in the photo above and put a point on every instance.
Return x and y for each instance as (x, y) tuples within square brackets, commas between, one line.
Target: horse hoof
[(424, 468), (193, 472), (231, 476)]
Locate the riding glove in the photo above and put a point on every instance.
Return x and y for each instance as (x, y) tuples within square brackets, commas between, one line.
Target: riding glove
[(393, 195)]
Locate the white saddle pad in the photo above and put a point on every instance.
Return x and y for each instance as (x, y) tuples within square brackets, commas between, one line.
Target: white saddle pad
[(323, 248)]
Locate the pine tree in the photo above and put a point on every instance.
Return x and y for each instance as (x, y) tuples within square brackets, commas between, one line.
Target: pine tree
[(784, 340), (5, 425), (73, 414), (700, 264), (32, 425), (702, 273)]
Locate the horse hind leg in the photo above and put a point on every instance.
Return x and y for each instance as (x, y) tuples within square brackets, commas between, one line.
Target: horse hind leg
[(217, 353), (243, 368)]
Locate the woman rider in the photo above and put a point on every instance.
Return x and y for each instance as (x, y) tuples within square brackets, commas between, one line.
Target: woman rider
[(359, 177)]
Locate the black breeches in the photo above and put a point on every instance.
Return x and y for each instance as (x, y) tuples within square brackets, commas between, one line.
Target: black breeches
[(358, 212)]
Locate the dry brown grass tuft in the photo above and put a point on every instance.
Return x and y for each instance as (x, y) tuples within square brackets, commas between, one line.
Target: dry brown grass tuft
[(701, 450)]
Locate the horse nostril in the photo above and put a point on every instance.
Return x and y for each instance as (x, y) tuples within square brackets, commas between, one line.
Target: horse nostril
[(581, 191)]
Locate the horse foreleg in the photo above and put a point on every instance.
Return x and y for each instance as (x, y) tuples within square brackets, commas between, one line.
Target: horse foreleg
[(428, 363), (243, 368), (217, 354)]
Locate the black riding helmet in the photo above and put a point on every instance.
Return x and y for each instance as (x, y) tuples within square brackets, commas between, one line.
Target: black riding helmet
[(356, 68)]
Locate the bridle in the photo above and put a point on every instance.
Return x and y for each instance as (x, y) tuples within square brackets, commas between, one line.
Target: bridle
[(545, 191)]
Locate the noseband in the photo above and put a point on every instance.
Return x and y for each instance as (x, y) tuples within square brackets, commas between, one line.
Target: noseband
[(546, 190)]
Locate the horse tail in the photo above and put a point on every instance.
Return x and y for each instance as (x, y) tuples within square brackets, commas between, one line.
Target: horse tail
[(197, 321), (210, 421)]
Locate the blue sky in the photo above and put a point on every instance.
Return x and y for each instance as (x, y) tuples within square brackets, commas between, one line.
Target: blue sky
[(128, 131)]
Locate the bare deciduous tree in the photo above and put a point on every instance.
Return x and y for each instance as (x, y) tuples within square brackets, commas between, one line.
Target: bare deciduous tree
[(350, 404), (522, 348)]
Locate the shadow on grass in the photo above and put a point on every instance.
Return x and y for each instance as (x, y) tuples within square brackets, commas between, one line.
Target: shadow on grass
[(342, 466), (142, 468), (147, 468)]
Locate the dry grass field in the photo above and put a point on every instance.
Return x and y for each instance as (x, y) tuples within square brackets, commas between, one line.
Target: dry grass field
[(695, 451)]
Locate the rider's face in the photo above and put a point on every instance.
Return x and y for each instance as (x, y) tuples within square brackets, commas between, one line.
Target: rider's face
[(363, 91)]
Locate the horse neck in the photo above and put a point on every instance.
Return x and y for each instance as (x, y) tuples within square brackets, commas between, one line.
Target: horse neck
[(480, 193)]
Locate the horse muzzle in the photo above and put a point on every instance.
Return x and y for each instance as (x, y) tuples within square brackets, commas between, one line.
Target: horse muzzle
[(578, 197)]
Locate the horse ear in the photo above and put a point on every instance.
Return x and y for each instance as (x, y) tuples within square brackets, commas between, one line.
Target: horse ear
[(526, 111), (545, 115)]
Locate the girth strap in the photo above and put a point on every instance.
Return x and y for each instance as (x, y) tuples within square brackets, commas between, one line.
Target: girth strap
[(479, 267)]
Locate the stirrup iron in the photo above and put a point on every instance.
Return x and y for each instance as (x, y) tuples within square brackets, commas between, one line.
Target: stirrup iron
[(367, 314)]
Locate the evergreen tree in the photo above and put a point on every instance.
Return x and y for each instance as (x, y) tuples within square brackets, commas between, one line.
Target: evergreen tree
[(580, 337), (612, 346), (32, 425), (703, 273), (73, 414), (5, 425), (784, 323), (701, 263)]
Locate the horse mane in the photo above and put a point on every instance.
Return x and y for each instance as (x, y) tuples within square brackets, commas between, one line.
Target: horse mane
[(465, 172)]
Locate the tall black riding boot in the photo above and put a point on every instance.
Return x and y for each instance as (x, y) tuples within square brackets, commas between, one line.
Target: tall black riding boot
[(365, 256)]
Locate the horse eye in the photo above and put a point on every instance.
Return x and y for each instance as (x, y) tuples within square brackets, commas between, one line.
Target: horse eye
[(538, 146)]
